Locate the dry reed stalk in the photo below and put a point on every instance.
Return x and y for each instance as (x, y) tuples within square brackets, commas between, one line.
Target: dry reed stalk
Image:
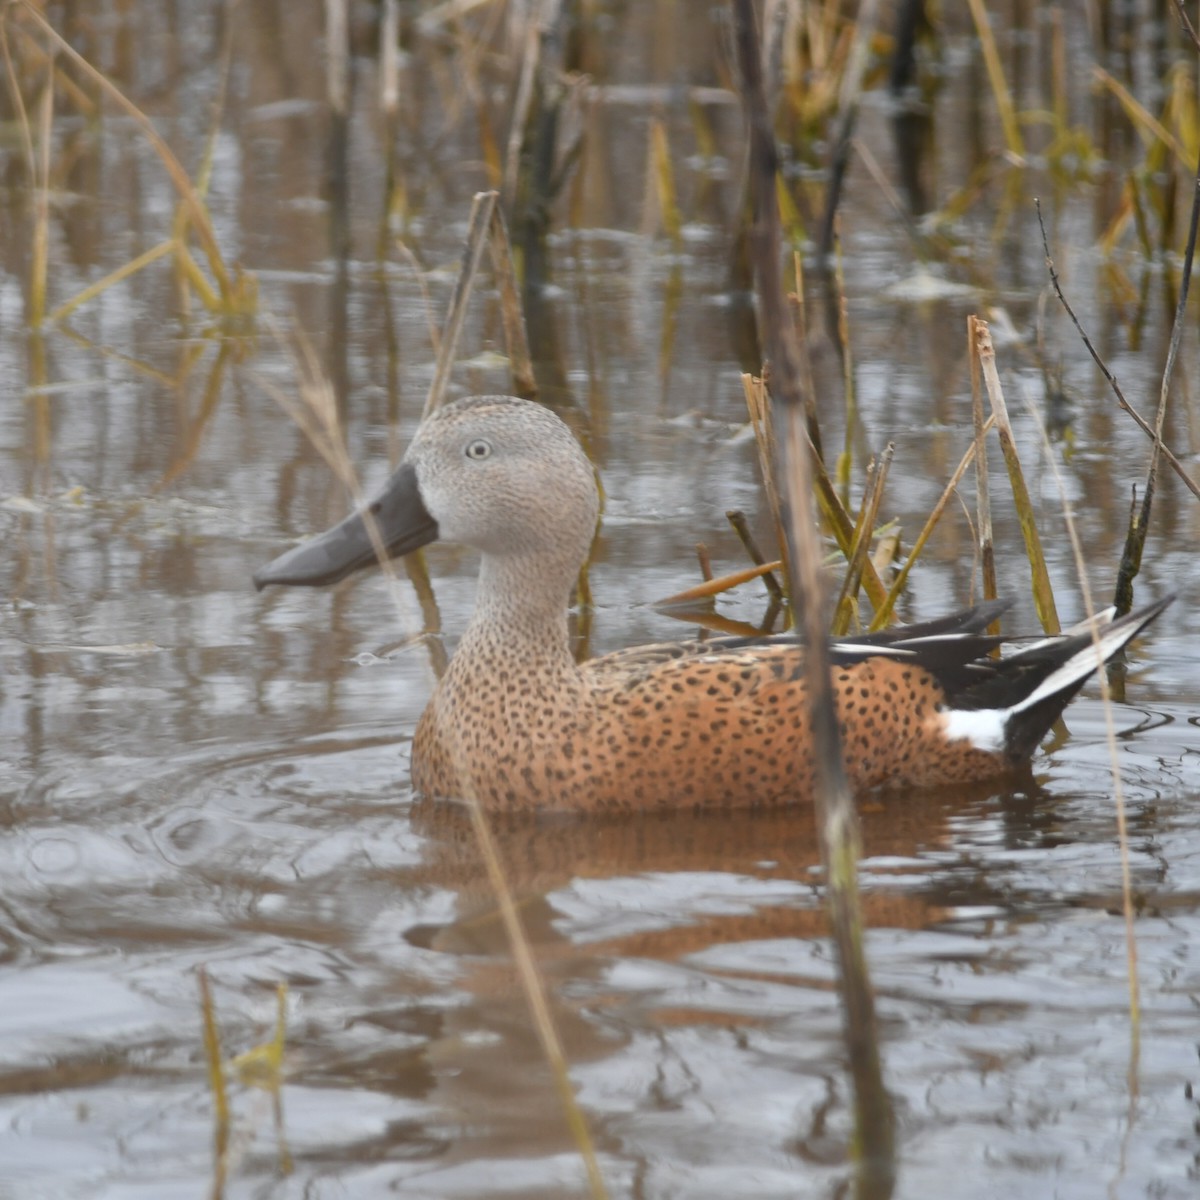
[(759, 406), (1004, 102), (516, 340), (262, 1065), (18, 101), (482, 206), (838, 819), (983, 501), (810, 390), (226, 287), (40, 248), (883, 613), (122, 272), (535, 997), (849, 393), (846, 608), (389, 60), (1150, 126), (1043, 593), (832, 509), (337, 55), (664, 183)]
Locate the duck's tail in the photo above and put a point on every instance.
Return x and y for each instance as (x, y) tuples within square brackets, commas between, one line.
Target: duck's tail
[(1011, 710)]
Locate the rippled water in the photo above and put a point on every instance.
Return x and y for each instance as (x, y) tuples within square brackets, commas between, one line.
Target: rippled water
[(198, 776)]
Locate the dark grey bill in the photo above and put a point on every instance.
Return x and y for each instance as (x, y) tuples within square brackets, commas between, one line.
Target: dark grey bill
[(403, 522)]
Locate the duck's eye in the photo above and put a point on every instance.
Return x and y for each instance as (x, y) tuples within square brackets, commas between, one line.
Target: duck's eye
[(479, 449)]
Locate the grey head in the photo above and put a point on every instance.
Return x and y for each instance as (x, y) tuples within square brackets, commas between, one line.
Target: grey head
[(503, 475)]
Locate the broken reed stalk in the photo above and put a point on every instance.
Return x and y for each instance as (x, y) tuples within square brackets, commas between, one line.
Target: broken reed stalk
[(516, 339), (486, 228), (983, 501), (737, 519), (832, 509), (1135, 538), (759, 406), (874, 1122), (1043, 593)]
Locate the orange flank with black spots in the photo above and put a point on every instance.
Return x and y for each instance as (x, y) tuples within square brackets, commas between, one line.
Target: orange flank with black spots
[(517, 724)]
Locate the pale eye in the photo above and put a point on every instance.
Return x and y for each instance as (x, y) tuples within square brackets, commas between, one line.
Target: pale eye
[(479, 449)]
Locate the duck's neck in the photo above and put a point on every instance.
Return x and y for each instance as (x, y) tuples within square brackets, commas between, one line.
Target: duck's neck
[(521, 607)]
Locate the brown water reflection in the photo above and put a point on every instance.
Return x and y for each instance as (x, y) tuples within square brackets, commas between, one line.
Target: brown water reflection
[(194, 775)]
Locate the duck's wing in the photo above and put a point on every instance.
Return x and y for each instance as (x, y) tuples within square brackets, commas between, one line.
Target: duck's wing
[(953, 638), (1000, 705)]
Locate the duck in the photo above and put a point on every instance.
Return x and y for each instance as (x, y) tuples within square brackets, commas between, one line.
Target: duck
[(516, 724)]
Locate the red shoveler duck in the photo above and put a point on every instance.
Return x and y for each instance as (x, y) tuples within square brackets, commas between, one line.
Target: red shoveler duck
[(518, 724)]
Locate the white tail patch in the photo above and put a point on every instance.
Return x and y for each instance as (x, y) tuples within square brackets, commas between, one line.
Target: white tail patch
[(982, 727), (986, 728)]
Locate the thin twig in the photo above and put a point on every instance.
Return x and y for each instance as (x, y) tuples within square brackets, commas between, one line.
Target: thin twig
[(1139, 420)]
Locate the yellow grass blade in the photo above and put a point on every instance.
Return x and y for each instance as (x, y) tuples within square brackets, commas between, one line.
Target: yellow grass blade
[(1043, 593), (1151, 128), (174, 169), (102, 285), (991, 60), (722, 583)]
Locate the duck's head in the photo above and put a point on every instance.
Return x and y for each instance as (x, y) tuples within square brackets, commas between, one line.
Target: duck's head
[(505, 476)]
